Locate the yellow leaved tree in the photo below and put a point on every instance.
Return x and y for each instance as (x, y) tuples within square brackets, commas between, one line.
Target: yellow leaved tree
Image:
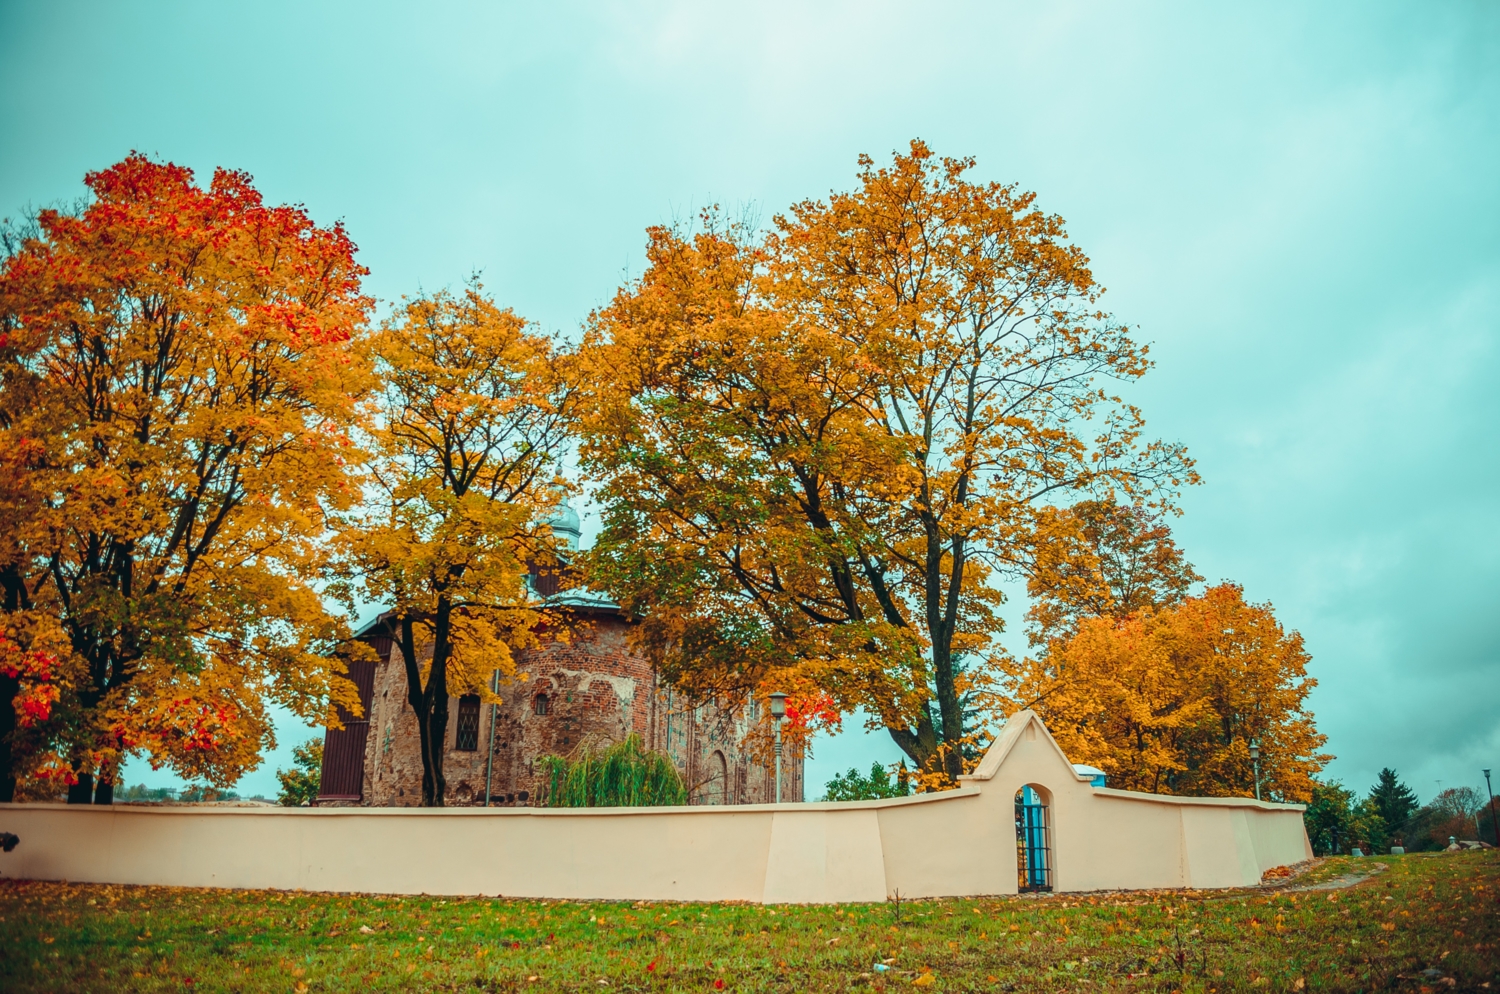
[(1099, 559), (1168, 700), (818, 450), (180, 385), (469, 431)]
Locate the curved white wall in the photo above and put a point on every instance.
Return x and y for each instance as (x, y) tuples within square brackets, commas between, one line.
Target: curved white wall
[(961, 842)]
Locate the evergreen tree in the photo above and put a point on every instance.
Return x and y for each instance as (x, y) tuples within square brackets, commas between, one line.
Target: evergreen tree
[(1392, 800)]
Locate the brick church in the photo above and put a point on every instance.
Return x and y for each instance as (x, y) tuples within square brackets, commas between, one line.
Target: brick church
[(591, 691)]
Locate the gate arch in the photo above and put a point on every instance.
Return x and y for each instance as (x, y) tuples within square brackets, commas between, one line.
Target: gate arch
[(1033, 839)]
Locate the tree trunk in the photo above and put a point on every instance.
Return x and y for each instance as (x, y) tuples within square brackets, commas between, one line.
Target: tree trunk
[(919, 745), (430, 703), (9, 687), (82, 792), (942, 616), (949, 707)]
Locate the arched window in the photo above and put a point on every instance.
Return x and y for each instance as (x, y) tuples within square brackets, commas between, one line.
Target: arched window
[(541, 703), (716, 791), (1033, 840)]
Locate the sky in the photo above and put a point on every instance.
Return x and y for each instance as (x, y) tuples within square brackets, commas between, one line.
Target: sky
[(1297, 205)]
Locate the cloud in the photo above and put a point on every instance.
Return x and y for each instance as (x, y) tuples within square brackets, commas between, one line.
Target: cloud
[(1295, 204)]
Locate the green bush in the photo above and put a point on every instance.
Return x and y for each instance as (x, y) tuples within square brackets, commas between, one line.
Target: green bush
[(1334, 813), (626, 775), (853, 787), (301, 783)]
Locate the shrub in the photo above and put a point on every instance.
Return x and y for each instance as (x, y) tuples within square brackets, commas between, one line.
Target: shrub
[(301, 783), (853, 787), (626, 775)]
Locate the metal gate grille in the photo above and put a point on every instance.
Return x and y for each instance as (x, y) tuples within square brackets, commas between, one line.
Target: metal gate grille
[(1033, 855)]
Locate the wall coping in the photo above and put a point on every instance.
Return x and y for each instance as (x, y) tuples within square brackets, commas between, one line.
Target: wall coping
[(277, 811), (994, 756), (1221, 802)]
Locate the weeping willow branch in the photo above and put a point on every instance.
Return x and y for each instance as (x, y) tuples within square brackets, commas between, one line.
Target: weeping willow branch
[(626, 775)]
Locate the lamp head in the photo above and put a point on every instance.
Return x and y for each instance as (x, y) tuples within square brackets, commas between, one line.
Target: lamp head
[(1255, 748), (778, 705)]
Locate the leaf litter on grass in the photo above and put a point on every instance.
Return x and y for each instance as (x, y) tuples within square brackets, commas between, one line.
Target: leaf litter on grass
[(1383, 929)]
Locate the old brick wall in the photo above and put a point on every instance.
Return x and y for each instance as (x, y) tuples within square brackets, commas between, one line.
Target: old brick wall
[(587, 690)]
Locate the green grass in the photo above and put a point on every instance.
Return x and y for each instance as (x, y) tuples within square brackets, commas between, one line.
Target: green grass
[(1439, 912)]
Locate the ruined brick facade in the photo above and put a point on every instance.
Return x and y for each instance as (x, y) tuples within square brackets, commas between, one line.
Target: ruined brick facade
[(591, 690)]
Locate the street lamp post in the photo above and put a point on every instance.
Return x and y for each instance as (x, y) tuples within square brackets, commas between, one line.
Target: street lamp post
[(1255, 758), (1494, 823), (778, 715)]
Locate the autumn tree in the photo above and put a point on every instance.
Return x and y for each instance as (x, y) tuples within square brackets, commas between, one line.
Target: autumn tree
[(179, 388), (1168, 701), (702, 411), (819, 450), (28, 656), (469, 433), (1099, 559)]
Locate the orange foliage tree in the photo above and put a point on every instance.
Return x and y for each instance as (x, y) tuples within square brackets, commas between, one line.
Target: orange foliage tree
[(1167, 700), (469, 433), (29, 674), (818, 451), (1099, 559), (186, 355)]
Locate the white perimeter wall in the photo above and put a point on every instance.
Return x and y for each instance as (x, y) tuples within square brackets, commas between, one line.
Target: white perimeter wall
[(961, 842)]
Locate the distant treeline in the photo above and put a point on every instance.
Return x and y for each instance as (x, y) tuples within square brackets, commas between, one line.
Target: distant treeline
[(1390, 815)]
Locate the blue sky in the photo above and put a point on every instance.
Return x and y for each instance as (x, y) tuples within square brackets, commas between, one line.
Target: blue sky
[(1296, 204)]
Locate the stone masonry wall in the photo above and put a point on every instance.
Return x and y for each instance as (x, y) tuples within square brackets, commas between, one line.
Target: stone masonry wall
[(596, 693)]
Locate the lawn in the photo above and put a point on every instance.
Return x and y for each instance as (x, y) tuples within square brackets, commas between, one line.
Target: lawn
[(1436, 913)]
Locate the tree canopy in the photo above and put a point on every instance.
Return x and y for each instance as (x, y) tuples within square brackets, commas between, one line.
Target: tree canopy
[(817, 451), (468, 433), (180, 379), (1168, 701)]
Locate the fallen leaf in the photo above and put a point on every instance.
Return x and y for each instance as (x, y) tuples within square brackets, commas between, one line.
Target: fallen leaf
[(925, 980)]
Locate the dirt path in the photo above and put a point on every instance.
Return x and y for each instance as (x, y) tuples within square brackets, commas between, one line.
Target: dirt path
[(1339, 883)]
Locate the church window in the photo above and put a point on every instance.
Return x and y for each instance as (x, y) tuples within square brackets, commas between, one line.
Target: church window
[(467, 737), (541, 703)]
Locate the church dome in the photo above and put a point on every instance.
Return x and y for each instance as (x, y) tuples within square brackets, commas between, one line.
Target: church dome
[(565, 527)]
